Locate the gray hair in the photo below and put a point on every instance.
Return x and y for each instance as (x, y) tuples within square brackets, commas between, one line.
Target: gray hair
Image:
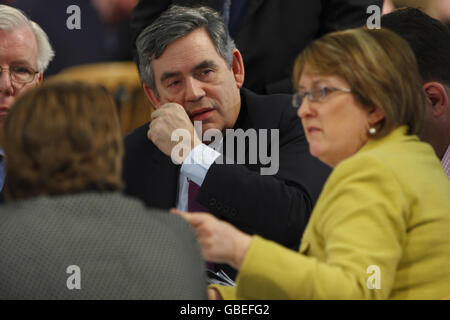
[(177, 22), (12, 18)]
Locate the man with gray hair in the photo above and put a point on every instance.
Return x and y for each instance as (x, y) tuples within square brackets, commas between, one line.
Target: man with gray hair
[(193, 73), (25, 53), (269, 33)]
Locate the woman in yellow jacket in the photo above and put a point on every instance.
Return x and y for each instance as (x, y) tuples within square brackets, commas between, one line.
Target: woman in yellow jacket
[(381, 227)]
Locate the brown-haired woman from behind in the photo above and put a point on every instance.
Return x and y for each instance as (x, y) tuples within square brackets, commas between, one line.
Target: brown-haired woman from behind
[(67, 232)]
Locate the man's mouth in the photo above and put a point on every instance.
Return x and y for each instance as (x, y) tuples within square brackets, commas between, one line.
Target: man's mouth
[(201, 114)]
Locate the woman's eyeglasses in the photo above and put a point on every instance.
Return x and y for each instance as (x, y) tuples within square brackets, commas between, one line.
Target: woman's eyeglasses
[(314, 95)]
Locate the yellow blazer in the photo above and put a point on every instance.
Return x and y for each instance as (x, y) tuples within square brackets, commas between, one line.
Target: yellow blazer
[(380, 230)]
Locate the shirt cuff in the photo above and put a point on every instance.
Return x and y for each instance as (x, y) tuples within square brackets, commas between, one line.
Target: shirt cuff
[(197, 163)]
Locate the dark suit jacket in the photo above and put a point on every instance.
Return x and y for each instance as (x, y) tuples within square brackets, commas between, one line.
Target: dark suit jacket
[(276, 207), (272, 32), (123, 250)]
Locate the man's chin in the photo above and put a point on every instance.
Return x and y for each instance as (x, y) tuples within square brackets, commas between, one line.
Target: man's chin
[(210, 132), (2, 120), (210, 126)]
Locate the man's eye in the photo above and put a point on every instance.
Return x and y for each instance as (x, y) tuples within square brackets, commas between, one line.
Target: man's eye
[(173, 83), (206, 73), (20, 70)]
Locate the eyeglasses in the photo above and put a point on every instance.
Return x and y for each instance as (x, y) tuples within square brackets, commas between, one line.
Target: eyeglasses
[(21, 75), (314, 95)]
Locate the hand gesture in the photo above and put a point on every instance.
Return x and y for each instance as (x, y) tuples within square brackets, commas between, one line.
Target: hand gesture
[(165, 121), (220, 242)]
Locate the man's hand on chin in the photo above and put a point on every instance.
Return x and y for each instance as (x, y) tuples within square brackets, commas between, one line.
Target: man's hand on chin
[(171, 120)]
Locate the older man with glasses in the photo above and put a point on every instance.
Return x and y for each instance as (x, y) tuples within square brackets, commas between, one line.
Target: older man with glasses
[(25, 53)]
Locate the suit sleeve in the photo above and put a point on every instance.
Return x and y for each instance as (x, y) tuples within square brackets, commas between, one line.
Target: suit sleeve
[(276, 207)]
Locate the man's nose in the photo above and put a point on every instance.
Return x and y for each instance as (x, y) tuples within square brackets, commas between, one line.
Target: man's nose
[(194, 89), (5, 83)]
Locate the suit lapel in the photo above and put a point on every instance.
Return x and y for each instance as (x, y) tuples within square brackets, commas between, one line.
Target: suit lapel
[(245, 123)]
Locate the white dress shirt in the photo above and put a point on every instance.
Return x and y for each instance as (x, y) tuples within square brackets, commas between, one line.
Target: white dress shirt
[(195, 167)]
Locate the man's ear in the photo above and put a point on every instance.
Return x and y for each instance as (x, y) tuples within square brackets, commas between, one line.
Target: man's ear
[(154, 99), (238, 68), (437, 98), (40, 78)]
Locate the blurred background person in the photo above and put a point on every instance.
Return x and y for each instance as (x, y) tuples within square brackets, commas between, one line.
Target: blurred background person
[(430, 42), (438, 9), (104, 34), (443, 11), (269, 33), (66, 209), (97, 53), (380, 227), (388, 6), (25, 53), (114, 11)]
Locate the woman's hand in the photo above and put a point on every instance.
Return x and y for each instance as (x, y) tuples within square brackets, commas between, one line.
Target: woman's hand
[(214, 294), (220, 242)]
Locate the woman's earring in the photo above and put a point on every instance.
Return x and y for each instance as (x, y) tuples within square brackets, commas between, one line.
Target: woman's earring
[(372, 131)]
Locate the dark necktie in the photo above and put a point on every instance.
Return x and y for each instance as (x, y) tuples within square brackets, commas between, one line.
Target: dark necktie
[(193, 205)]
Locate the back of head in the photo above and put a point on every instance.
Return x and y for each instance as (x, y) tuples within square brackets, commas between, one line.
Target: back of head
[(428, 38), (380, 69), (12, 18), (175, 23), (62, 138)]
